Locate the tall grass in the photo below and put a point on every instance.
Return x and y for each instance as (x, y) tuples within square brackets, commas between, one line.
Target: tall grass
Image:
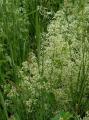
[(23, 25), (78, 92), (3, 111)]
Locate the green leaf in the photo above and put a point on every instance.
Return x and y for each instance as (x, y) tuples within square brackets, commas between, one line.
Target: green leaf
[(63, 116)]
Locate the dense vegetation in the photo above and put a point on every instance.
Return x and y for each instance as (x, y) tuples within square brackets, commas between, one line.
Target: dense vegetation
[(44, 60)]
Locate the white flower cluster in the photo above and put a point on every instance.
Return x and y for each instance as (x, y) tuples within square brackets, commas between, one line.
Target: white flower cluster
[(60, 59), (32, 83), (44, 11), (65, 42)]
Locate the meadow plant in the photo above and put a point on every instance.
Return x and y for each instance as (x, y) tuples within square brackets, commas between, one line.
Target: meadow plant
[(55, 77)]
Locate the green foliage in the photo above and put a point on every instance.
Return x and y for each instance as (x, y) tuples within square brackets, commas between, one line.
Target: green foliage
[(44, 60), (3, 111), (63, 116)]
